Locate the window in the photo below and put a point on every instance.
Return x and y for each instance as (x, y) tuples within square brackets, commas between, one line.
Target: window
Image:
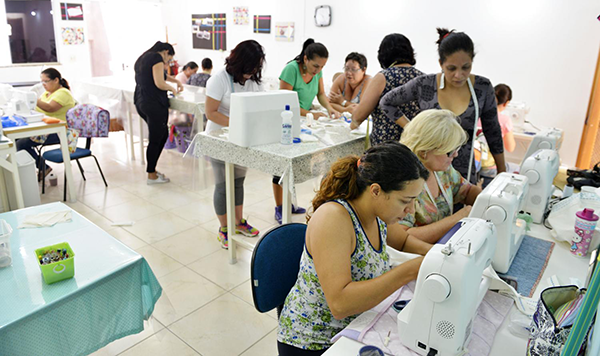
[(31, 34)]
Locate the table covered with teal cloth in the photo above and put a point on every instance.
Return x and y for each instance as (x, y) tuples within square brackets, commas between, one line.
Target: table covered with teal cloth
[(112, 293)]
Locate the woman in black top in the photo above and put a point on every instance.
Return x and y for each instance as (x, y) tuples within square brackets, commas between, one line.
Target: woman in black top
[(453, 89), (151, 101)]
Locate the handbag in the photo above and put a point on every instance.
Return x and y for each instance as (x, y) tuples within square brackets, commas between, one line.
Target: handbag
[(547, 337)]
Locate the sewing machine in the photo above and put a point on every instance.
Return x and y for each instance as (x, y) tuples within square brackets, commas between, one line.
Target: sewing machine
[(517, 111), (450, 287), (23, 103), (540, 168), (548, 139), (500, 202)]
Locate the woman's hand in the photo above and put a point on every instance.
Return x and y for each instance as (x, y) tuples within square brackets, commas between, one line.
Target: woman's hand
[(334, 114), (354, 125), (318, 114), (464, 212), (179, 87), (336, 98)]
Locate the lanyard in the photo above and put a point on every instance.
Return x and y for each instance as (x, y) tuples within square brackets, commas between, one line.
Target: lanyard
[(476, 104), (231, 81), (443, 192)]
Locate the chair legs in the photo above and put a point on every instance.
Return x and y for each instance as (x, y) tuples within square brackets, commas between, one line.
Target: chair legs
[(65, 187), (80, 169), (100, 169), (44, 178)]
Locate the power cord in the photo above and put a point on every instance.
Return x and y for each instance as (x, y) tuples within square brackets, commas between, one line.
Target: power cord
[(530, 123)]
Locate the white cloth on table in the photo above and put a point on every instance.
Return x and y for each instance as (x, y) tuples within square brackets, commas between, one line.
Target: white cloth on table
[(45, 219)]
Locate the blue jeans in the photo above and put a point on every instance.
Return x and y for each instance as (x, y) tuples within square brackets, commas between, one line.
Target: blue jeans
[(28, 145)]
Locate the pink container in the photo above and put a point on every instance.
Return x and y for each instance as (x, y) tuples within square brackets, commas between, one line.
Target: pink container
[(585, 224)]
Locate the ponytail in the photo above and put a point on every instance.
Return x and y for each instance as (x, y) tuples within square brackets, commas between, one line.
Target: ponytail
[(64, 83), (54, 74), (390, 164), (450, 42), (311, 49)]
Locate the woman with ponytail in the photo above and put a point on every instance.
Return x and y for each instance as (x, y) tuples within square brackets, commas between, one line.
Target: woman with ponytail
[(345, 268), (54, 102), (467, 95)]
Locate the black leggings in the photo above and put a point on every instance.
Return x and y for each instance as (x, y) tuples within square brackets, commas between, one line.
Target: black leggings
[(156, 116), (287, 350)]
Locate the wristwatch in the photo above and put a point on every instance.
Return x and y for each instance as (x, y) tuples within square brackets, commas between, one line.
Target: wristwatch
[(344, 103)]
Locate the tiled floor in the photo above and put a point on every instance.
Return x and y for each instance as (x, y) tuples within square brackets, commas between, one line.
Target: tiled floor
[(206, 307)]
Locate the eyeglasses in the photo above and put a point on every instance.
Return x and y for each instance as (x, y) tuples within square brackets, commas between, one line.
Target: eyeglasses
[(452, 153), (46, 81), (351, 70)]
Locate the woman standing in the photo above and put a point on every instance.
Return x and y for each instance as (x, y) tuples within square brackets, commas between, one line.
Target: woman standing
[(397, 59), (345, 267), (346, 90), (242, 73), (467, 95), (54, 102), (152, 104)]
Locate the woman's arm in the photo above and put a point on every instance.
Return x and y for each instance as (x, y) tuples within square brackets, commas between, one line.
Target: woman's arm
[(390, 103), (52, 106), (398, 238), (472, 194), (509, 141), (212, 112), (177, 81), (489, 122), (433, 232), (335, 95), (325, 102), (331, 255), (158, 73), (369, 100)]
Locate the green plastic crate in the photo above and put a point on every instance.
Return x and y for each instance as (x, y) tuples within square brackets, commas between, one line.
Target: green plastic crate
[(57, 271)]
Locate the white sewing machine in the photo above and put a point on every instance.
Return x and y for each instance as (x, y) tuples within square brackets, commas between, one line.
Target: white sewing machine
[(517, 111), (256, 116), (449, 289), (500, 202), (23, 103), (540, 169), (548, 139)]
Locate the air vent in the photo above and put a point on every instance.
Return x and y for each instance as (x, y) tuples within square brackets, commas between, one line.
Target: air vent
[(445, 329)]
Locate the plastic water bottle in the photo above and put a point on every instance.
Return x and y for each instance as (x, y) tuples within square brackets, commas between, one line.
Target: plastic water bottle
[(286, 126)]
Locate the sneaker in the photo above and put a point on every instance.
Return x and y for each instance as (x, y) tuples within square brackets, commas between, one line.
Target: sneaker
[(159, 180), (278, 214), (223, 237), (298, 209), (246, 229)]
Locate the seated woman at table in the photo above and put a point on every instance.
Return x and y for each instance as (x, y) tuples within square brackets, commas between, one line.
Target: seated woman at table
[(200, 79), (186, 72), (152, 104), (54, 102), (436, 136), (345, 267), (347, 89), (242, 73), (397, 59)]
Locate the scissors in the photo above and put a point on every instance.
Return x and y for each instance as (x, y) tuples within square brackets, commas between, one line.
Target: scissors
[(399, 305)]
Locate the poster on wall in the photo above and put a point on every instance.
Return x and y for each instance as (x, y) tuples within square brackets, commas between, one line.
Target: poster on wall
[(240, 15), (72, 35), (71, 11), (209, 31), (262, 23), (284, 31)]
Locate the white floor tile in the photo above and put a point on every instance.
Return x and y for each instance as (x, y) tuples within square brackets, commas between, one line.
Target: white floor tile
[(162, 343), (190, 245), (267, 346), (116, 347), (155, 228), (160, 263), (216, 268)]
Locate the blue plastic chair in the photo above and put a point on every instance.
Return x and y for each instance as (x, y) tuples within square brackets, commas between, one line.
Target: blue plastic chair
[(275, 265)]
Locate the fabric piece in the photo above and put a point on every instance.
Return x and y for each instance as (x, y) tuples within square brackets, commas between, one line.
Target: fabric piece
[(90, 120), (45, 219), (424, 90), (427, 211), (383, 320), (529, 264), (383, 128), (306, 91), (63, 97), (199, 79), (219, 87), (306, 321)]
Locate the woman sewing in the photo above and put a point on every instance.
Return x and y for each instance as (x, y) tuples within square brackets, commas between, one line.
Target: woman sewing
[(345, 273), (436, 137), (467, 95)]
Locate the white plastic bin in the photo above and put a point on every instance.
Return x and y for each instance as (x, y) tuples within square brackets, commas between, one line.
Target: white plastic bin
[(29, 183), (5, 254)]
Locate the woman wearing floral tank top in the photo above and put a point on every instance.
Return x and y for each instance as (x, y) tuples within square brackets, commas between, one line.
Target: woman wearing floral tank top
[(347, 273)]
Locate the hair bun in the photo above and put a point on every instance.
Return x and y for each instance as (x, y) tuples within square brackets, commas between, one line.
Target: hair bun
[(443, 33), (307, 43)]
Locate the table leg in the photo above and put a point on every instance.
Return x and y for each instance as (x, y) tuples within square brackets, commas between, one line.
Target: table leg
[(230, 197), (16, 180), (130, 124), (287, 202), (64, 147), (142, 141), (3, 192)]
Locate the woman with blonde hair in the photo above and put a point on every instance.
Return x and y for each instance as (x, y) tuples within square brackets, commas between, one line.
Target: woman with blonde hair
[(436, 136)]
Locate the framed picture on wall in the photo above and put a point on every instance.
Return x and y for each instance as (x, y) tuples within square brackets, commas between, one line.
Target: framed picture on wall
[(284, 31), (71, 12), (209, 31), (262, 23)]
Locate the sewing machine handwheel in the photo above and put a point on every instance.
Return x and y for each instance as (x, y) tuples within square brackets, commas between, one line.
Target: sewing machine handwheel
[(532, 176), (436, 287), (495, 214)]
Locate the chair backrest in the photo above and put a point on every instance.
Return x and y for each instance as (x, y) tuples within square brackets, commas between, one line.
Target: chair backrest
[(275, 265), (90, 120)]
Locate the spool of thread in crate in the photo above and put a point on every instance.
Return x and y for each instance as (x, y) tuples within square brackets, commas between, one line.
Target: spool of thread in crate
[(53, 180)]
